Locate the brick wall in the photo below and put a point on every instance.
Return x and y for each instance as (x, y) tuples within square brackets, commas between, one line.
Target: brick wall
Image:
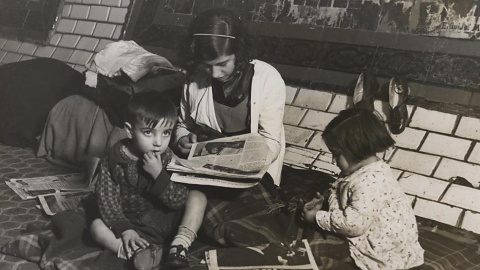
[(435, 146), (84, 27)]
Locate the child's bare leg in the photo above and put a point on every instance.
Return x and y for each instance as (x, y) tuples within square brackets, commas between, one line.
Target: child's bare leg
[(191, 221), (104, 236)]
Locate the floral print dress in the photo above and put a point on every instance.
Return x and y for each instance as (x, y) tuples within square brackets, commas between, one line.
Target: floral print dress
[(371, 210)]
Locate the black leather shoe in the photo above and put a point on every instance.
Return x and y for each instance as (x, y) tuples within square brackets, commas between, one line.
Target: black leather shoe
[(398, 95), (364, 92), (148, 258), (177, 260)]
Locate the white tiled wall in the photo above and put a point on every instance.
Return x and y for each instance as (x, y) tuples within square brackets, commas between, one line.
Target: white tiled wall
[(435, 146)]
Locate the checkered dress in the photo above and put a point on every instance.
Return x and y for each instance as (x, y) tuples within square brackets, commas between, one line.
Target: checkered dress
[(124, 190)]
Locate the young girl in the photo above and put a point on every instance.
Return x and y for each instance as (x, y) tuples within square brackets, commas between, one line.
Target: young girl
[(366, 203), (227, 94)]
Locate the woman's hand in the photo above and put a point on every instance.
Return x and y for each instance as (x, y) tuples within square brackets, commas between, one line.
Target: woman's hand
[(152, 163), (312, 207), (186, 142), (132, 241)]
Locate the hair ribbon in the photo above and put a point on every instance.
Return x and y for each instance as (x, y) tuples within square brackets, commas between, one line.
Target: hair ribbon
[(214, 35)]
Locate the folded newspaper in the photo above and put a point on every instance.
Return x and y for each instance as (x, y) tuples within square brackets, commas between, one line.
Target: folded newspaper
[(296, 255), (236, 162), (60, 201), (30, 188)]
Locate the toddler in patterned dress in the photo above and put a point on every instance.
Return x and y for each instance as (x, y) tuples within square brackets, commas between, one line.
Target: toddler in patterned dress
[(136, 198), (366, 203)]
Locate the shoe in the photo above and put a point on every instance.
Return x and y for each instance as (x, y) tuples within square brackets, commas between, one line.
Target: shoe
[(176, 260), (148, 258), (365, 89), (398, 94)]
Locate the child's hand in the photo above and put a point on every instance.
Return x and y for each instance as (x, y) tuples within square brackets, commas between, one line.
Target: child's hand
[(132, 241), (312, 207), (152, 163)]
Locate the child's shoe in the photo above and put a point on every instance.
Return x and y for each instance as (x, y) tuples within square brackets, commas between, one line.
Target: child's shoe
[(177, 259), (148, 258), (365, 89), (398, 95)]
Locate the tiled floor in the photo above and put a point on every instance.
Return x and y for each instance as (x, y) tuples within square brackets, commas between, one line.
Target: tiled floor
[(15, 214)]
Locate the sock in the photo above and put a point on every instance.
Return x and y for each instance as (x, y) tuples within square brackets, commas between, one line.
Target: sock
[(184, 237)]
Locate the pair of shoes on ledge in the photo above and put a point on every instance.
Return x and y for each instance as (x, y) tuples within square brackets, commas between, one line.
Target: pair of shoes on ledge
[(363, 97)]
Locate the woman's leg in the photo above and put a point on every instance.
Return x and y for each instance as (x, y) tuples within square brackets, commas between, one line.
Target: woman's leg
[(104, 236)]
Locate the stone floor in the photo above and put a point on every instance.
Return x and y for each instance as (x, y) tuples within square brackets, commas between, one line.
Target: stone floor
[(16, 214)]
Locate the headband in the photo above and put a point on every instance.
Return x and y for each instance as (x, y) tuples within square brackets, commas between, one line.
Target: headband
[(214, 35)]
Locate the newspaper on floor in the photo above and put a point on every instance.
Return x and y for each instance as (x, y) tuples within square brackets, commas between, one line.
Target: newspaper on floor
[(237, 157), (274, 256), (30, 188), (60, 201)]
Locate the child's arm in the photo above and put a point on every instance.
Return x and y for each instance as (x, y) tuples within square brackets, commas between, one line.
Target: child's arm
[(352, 216), (108, 198), (172, 194)]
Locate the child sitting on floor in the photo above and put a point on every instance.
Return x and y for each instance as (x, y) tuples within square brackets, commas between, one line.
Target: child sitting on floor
[(134, 192), (366, 203)]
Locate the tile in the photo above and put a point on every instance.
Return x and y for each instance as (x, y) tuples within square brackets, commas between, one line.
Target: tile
[(26, 57), (125, 3), (410, 138), (447, 146), (79, 12), (66, 11), (317, 143), (313, 99), (293, 115), (27, 48), (87, 43), (80, 68), (291, 91), (99, 13), (433, 120), (437, 211), (69, 41), (317, 120), (118, 32), (450, 168), (471, 222), (475, 154), (468, 127), (326, 167), (101, 45), (66, 26), (414, 162), (396, 173), (92, 2), (62, 54), (340, 103), (84, 28), (463, 197), (118, 15), (297, 136), (3, 41), (80, 57), (12, 45), (299, 156), (422, 186), (44, 51), (111, 3), (11, 57), (104, 30), (55, 39)]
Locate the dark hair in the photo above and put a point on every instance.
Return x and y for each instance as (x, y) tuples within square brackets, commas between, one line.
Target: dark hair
[(357, 134), (151, 107), (218, 21)]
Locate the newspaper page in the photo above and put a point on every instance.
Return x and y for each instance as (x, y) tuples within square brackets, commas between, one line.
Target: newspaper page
[(30, 188), (60, 201), (274, 256), (243, 156), (209, 180)]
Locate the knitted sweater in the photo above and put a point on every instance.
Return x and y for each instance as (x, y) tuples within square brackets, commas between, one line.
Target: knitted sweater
[(125, 188)]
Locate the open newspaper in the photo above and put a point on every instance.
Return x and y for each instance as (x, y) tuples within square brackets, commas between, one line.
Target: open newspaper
[(30, 188), (274, 256), (238, 162), (60, 201)]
